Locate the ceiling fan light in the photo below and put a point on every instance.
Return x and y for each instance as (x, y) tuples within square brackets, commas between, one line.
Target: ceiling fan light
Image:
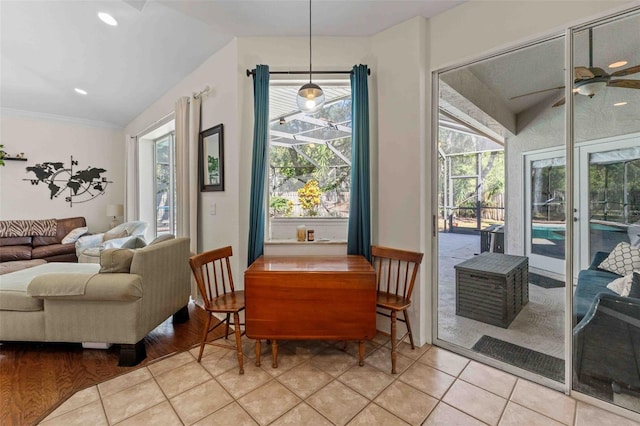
[(591, 89), (618, 64), (310, 98)]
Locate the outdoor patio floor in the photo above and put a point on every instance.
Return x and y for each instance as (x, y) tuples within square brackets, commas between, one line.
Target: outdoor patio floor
[(539, 326)]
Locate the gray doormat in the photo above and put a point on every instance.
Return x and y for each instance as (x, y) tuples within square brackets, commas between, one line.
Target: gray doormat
[(527, 359), (544, 282)]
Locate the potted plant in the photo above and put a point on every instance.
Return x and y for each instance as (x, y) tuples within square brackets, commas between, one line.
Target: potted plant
[(3, 154)]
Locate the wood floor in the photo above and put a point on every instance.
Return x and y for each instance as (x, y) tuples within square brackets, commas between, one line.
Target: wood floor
[(37, 377)]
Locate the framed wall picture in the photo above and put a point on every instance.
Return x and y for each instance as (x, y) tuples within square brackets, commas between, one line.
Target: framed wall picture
[(211, 159)]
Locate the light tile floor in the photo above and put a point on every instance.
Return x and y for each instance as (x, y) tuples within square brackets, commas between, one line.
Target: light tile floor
[(320, 383)]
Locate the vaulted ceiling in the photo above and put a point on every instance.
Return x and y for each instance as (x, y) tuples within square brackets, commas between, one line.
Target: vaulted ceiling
[(50, 47)]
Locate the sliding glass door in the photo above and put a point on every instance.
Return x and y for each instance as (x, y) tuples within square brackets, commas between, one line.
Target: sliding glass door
[(539, 211), (501, 240), (606, 171)]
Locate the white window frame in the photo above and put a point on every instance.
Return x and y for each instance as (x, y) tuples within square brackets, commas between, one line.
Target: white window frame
[(331, 230)]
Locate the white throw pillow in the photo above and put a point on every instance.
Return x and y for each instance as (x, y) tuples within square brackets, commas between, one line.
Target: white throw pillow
[(623, 260), (72, 236), (622, 286)]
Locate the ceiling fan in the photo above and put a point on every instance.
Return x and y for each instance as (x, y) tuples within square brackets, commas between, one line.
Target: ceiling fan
[(590, 80)]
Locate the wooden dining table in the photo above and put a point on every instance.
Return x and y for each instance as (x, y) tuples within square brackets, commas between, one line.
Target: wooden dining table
[(310, 297)]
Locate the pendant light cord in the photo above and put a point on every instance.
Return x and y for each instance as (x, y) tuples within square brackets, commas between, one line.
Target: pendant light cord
[(310, 42)]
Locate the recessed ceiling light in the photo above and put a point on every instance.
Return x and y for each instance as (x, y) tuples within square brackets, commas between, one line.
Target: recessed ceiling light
[(80, 91), (107, 19), (618, 64), (619, 103)]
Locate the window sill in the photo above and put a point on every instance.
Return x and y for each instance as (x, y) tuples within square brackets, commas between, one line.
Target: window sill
[(296, 242), (326, 228), (293, 247)]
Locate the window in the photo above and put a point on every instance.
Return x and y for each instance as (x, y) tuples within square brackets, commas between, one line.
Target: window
[(309, 163), (165, 172), (157, 177)]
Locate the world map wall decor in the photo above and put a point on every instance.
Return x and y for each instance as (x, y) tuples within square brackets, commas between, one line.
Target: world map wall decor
[(83, 185)]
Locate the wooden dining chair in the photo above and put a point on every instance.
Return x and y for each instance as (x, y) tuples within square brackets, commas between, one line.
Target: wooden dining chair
[(212, 271), (396, 272)]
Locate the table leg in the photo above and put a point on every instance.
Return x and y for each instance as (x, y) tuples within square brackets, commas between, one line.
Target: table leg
[(274, 353), (258, 351), (361, 352)]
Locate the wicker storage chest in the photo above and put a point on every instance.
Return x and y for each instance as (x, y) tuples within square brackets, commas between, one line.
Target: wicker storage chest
[(492, 288)]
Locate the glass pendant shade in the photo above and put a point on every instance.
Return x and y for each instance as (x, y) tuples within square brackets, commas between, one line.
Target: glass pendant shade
[(310, 98)]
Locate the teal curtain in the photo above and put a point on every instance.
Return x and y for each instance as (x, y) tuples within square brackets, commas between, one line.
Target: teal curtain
[(259, 162), (359, 236)]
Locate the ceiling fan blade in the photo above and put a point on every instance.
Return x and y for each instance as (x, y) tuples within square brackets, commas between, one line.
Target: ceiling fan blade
[(537, 91), (626, 71), (582, 73), (628, 84), (560, 102)]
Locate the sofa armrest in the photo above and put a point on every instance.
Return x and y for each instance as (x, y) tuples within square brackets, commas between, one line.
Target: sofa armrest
[(88, 241), (97, 287), (166, 276), (597, 259)]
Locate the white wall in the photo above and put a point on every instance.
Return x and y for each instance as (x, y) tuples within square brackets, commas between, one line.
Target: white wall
[(44, 140), (403, 128), (220, 73)]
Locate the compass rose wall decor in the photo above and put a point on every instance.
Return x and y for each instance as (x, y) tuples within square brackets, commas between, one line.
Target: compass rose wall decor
[(78, 186)]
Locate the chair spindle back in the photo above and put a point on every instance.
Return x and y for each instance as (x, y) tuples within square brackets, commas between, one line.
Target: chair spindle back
[(396, 270), (212, 271)]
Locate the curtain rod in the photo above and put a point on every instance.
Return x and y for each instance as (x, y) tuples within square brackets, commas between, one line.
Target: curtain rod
[(253, 72)]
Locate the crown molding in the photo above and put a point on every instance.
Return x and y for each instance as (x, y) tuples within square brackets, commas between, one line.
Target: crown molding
[(11, 112)]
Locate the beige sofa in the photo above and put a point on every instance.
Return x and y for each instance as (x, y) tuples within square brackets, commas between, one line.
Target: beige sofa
[(59, 302)]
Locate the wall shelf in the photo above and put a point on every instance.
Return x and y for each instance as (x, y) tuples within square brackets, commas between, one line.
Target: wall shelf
[(15, 158)]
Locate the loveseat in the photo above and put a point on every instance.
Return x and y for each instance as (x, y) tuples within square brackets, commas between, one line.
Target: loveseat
[(63, 302), (22, 240)]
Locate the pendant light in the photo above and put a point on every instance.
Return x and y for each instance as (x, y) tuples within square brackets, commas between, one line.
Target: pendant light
[(310, 97)]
